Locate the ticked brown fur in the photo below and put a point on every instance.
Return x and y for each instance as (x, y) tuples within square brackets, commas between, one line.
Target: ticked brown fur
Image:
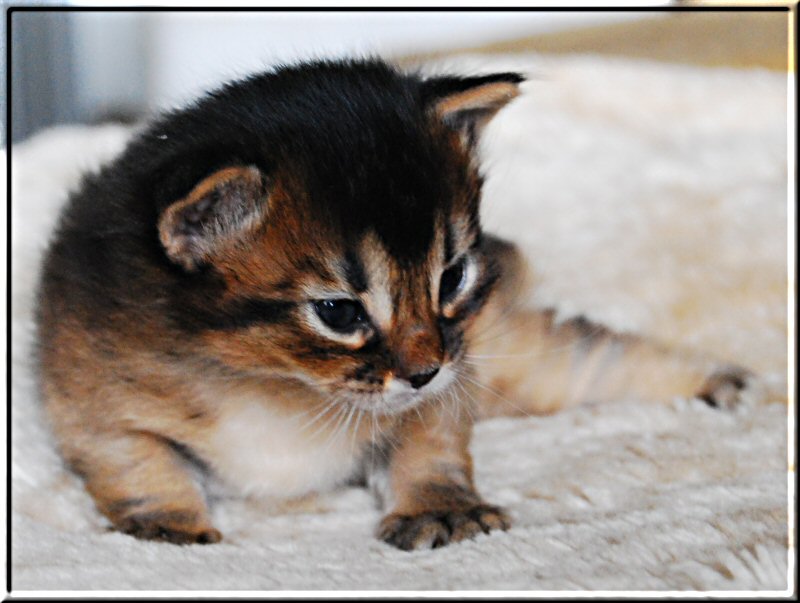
[(257, 335)]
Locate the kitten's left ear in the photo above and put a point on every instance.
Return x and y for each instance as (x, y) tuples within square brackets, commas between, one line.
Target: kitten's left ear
[(467, 104)]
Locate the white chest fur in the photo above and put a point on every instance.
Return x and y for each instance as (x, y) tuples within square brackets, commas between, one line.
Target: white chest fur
[(264, 452)]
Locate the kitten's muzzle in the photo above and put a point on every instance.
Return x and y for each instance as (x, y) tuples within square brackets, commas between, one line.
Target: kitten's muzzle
[(399, 394), (419, 353)]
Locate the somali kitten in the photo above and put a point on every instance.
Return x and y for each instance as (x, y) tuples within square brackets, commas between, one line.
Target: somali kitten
[(280, 285)]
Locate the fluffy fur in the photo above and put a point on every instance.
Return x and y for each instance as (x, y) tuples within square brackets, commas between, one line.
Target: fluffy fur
[(180, 328)]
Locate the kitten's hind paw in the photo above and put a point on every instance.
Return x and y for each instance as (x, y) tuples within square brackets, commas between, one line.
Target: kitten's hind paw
[(437, 528), (732, 387), (177, 527)]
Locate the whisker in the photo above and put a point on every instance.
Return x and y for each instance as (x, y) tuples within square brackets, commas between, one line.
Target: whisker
[(452, 403), (596, 329), (349, 418), (496, 393), (474, 359), (334, 435), (373, 448), (372, 426), (490, 356), (390, 439), (355, 429), (500, 318), (347, 422), (329, 403), (419, 414), (329, 421), (467, 407)]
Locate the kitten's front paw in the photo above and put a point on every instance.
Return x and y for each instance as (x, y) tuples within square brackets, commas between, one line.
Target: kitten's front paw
[(437, 528), (177, 527), (730, 387)]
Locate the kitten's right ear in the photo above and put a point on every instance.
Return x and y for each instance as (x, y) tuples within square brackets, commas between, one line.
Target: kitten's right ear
[(467, 104), (220, 209)]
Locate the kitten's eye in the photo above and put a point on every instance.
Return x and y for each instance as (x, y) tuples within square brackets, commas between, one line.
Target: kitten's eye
[(340, 314), (452, 280)]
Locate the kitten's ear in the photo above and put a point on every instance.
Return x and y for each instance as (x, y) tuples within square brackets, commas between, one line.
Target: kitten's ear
[(220, 209), (467, 104)]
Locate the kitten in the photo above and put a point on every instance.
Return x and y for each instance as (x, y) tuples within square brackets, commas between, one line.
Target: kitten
[(279, 286)]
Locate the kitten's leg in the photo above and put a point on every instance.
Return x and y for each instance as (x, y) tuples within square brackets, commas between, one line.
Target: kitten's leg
[(527, 363), (427, 484), (142, 485), (541, 366)]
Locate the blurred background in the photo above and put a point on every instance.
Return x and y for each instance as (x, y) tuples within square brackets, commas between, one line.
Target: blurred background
[(94, 66)]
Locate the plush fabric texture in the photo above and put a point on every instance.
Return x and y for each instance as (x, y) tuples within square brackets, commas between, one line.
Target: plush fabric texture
[(650, 197)]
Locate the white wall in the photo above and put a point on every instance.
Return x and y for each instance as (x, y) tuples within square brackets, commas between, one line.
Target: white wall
[(190, 52), (164, 59), (110, 61)]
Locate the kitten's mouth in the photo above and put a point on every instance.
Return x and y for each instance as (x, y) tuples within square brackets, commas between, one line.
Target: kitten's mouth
[(398, 397)]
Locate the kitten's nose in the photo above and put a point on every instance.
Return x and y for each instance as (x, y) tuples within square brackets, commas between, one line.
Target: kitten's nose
[(423, 378)]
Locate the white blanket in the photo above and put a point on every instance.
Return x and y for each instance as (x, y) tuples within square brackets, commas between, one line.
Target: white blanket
[(648, 196)]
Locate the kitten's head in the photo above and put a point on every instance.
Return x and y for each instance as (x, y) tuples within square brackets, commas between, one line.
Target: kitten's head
[(340, 210)]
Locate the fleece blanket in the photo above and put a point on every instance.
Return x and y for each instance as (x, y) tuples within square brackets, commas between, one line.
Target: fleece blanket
[(650, 197)]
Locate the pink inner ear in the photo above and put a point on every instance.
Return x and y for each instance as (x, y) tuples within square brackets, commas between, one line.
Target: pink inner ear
[(219, 208), (195, 213), (489, 97), (469, 111)]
